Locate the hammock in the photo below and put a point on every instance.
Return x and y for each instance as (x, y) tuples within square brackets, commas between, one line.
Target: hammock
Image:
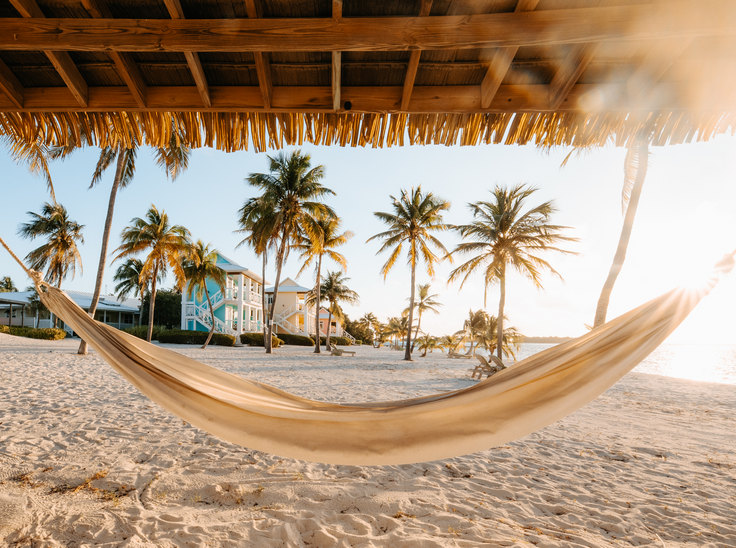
[(527, 396)]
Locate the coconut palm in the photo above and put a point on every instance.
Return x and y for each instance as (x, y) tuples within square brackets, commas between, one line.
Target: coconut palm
[(428, 343), (174, 158), (450, 342), (293, 190), (382, 334), (502, 235), (257, 218), (320, 238), (414, 218), (7, 285), (334, 288), (35, 154), (425, 302), (166, 246), (130, 280), (488, 338), (200, 267), (473, 328), (60, 254), (398, 327), (369, 321), (635, 170)]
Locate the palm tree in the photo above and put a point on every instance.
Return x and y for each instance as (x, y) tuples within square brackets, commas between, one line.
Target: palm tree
[(7, 285), (415, 216), (427, 343), (174, 158), (292, 190), (257, 219), (369, 321), (451, 342), (426, 302), (382, 334), (35, 154), (130, 280), (398, 327), (488, 339), (321, 237), (335, 290), (635, 170), (502, 234), (166, 245), (200, 266), (474, 327), (60, 252)]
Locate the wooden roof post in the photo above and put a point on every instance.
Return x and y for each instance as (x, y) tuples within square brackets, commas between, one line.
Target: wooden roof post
[(413, 66), (336, 73)]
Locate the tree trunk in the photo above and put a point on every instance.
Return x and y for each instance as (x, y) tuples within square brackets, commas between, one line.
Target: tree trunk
[(279, 264), (263, 298), (407, 351), (318, 291), (329, 329), (152, 303), (501, 304), (416, 331), (623, 242), (105, 239), (212, 315)]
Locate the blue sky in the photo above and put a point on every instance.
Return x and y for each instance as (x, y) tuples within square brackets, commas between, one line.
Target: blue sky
[(685, 220)]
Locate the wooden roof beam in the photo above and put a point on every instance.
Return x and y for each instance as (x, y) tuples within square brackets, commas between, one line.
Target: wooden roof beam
[(124, 63), (568, 74), (336, 72), (263, 65), (10, 85), (193, 62), (413, 66), (660, 20), (501, 62), (61, 60)]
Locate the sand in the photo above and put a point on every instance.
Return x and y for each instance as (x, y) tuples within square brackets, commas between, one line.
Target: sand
[(86, 460)]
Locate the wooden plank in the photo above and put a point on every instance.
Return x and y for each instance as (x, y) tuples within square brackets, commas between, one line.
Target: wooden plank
[(413, 66), (265, 84), (337, 9), (425, 99), (568, 74), (251, 9), (61, 60), (545, 27), (336, 80), (501, 60), (10, 85)]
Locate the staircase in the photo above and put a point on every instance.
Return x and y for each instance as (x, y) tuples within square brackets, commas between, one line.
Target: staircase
[(202, 315)]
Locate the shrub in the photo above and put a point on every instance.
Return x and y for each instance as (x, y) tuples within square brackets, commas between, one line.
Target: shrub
[(45, 333), (337, 341), (298, 340), (178, 336), (141, 331), (256, 339)]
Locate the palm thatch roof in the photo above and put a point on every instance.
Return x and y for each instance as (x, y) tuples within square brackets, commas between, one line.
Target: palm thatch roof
[(269, 73)]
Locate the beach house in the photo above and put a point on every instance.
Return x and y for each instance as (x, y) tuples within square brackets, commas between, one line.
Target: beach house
[(292, 314), (237, 310), (336, 326)]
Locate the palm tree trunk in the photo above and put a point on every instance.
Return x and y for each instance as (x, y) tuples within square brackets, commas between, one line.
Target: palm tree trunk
[(501, 304), (152, 303), (407, 351), (263, 298), (623, 241), (279, 264), (416, 332), (329, 328), (105, 240), (317, 289), (212, 314)]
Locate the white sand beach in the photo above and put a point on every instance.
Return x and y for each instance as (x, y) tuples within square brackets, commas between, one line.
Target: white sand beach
[(86, 460)]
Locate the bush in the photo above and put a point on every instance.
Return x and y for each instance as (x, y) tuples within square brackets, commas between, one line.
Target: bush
[(178, 336), (141, 331), (298, 340), (45, 333), (337, 341), (256, 339)]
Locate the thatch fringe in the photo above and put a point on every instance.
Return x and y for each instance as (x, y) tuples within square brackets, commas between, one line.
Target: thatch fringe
[(240, 131)]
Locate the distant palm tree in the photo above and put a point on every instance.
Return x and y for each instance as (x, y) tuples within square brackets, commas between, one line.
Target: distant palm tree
[(319, 238), (129, 276), (425, 302), (336, 291), (382, 334), (174, 158), (60, 252), (398, 327), (635, 170), (414, 218), (369, 321), (488, 339), (474, 326), (166, 246), (7, 285), (502, 234), (293, 190), (427, 342), (200, 266), (451, 342)]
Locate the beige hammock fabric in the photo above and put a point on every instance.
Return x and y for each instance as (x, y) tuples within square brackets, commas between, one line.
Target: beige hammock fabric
[(513, 403)]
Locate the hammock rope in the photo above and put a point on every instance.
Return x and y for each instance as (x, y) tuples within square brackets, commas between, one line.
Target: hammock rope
[(527, 396)]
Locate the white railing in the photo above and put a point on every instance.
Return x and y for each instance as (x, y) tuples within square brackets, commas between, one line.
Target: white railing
[(217, 299)]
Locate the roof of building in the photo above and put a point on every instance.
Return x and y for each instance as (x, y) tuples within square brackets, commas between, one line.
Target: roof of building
[(289, 286), (270, 73), (83, 299), (230, 266)]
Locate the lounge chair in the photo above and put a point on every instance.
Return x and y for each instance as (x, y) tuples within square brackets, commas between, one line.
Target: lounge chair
[(335, 351), (453, 354), (487, 368)]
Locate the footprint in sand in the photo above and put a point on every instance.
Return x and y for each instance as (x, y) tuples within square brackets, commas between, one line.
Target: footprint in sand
[(12, 510)]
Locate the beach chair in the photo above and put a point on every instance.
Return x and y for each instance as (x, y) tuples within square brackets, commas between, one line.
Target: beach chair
[(487, 368), (335, 351), (455, 355)]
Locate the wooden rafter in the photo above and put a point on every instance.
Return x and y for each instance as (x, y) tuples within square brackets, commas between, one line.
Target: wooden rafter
[(10, 85), (263, 65), (61, 60), (539, 28), (500, 62), (568, 73), (336, 72), (124, 63), (413, 66), (193, 62)]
